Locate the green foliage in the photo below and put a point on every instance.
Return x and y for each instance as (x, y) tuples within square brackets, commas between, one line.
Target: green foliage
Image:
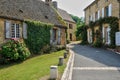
[(14, 51), (32, 69), (83, 33), (79, 23), (38, 37), (59, 17), (114, 25), (98, 43)]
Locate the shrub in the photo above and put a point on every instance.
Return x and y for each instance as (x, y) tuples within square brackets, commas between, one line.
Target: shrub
[(98, 43), (14, 50)]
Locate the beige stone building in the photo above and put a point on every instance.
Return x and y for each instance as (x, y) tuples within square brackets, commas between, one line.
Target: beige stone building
[(14, 13), (71, 25), (100, 9)]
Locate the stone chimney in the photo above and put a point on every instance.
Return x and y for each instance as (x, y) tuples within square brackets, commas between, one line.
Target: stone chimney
[(55, 5), (48, 1)]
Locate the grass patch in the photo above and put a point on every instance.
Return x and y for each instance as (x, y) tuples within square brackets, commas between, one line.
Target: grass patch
[(31, 69)]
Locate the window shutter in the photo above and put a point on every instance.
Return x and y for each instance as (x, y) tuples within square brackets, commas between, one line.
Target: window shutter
[(24, 30), (20, 30), (7, 29), (110, 10), (51, 36), (108, 31), (94, 17), (102, 12), (98, 14), (103, 30), (91, 18), (59, 35)]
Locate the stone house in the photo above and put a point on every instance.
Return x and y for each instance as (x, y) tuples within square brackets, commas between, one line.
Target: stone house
[(14, 13), (100, 9), (71, 24)]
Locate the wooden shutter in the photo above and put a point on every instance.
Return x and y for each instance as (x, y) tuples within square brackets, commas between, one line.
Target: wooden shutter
[(110, 10), (108, 30), (51, 36), (91, 18), (59, 36), (103, 32), (20, 30), (102, 12), (24, 30), (94, 17), (98, 14), (7, 29)]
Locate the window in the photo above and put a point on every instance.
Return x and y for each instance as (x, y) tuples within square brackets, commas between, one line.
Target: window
[(15, 31), (106, 11), (12, 30), (54, 34), (70, 26), (96, 15)]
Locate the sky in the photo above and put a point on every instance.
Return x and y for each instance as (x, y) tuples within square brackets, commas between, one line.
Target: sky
[(75, 7)]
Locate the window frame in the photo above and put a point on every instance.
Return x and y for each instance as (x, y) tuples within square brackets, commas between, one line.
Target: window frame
[(16, 31)]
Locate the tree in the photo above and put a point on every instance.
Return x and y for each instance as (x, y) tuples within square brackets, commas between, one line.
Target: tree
[(80, 25)]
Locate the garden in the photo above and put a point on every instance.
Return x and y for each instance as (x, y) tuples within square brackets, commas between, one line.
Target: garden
[(31, 58)]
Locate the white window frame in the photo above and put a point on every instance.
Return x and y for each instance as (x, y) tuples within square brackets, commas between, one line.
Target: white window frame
[(15, 32)]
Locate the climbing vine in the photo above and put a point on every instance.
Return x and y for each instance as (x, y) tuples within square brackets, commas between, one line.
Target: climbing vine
[(38, 36), (113, 23)]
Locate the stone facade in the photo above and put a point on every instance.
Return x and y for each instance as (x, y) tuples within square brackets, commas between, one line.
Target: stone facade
[(71, 28), (101, 8), (2, 29), (58, 36), (71, 25)]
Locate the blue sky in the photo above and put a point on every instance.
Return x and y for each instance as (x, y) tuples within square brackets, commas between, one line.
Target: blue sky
[(74, 7)]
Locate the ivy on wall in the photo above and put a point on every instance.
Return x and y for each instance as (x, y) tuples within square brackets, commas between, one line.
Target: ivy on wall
[(38, 36), (113, 23)]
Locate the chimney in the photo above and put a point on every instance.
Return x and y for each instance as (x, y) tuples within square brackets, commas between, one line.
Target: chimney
[(55, 5), (48, 1)]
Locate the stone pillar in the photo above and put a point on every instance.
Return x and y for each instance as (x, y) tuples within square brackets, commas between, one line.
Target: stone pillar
[(61, 60), (65, 54), (53, 72)]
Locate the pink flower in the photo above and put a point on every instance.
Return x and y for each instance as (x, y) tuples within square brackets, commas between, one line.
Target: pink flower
[(15, 39)]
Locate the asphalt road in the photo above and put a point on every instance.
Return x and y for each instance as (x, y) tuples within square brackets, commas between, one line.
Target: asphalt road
[(95, 64)]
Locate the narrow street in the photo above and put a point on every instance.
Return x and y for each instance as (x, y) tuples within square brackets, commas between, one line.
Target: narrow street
[(95, 64)]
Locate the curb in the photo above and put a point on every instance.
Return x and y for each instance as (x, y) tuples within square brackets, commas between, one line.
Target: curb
[(67, 75), (113, 51)]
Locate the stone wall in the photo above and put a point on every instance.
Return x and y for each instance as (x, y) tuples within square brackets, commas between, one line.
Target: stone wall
[(98, 5), (2, 29), (71, 31)]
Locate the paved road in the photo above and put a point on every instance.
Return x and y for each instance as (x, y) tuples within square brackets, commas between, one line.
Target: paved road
[(95, 64)]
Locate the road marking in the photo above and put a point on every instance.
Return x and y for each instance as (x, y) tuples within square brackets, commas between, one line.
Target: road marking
[(96, 68)]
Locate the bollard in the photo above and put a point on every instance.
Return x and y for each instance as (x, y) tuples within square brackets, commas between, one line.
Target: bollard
[(68, 50), (61, 60), (53, 72), (65, 54)]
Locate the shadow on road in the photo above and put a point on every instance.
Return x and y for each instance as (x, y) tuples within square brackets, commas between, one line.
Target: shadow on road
[(99, 55)]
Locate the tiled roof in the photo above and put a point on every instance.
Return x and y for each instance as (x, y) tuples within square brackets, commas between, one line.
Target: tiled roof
[(28, 9), (65, 15)]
